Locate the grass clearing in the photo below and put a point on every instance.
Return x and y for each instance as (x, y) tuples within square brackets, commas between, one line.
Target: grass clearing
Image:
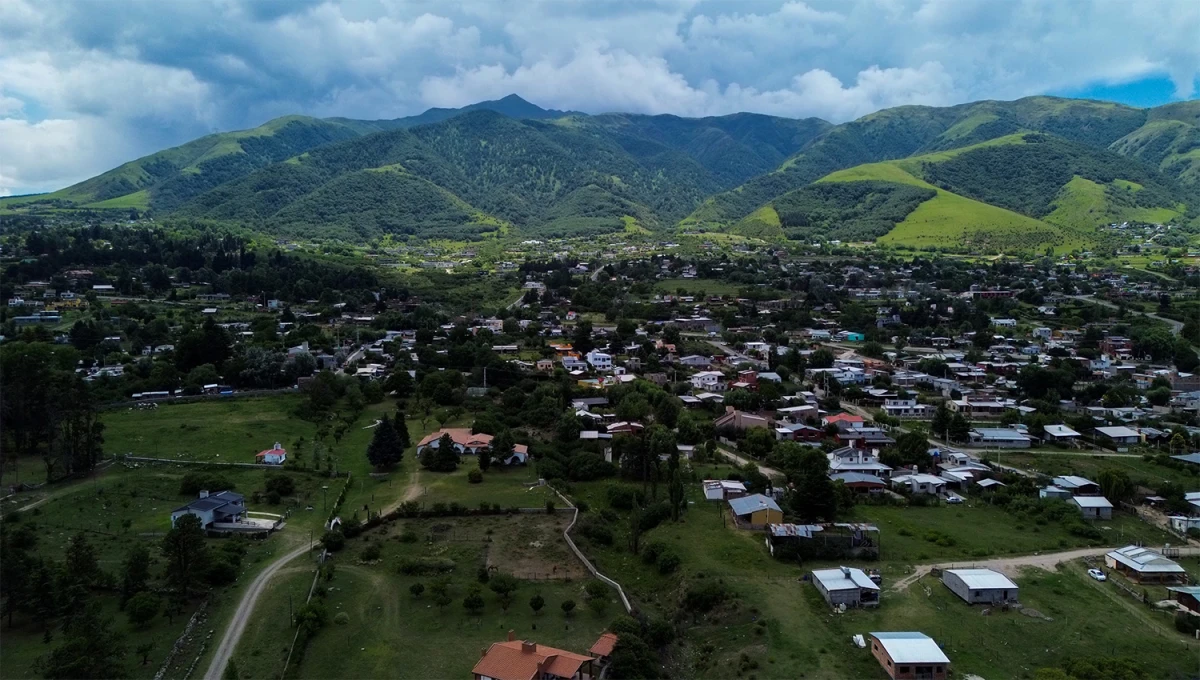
[(696, 286), (1142, 472)]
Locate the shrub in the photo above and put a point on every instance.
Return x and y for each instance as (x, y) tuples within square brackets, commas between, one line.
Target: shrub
[(623, 497), (668, 562), (372, 552), (351, 527), (703, 596), (281, 484), (568, 606), (425, 566), (596, 532), (195, 482), (651, 552), (341, 618), (408, 536), (475, 477), (273, 497), (221, 570), (333, 540), (655, 514)]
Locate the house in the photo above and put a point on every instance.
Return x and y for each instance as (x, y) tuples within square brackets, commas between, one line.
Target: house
[(695, 361), (600, 361), (463, 439), (823, 541), (1060, 434), (709, 381), (849, 336), (907, 408), (909, 656), (1077, 486), (1054, 492), (850, 421), (1094, 507), (756, 510), (740, 420), (1143, 565), (798, 432), (999, 438), (980, 586), (524, 660), (273, 456), (602, 649), (1186, 596), (846, 586), (213, 508), (859, 482), (1182, 525), (850, 459), (723, 489), (1119, 437), (545, 365), (919, 483)]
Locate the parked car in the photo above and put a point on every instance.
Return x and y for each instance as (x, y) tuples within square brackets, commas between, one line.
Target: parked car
[(954, 500), (1097, 574)]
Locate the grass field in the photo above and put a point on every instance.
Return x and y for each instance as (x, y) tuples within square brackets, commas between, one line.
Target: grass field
[(696, 286), (1142, 472), (951, 221), (392, 634), (780, 623)]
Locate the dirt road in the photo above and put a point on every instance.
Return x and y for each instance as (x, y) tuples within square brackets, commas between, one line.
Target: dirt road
[(245, 608), (1008, 565), (741, 460)]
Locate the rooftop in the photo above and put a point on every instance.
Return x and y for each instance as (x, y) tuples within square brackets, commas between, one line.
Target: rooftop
[(523, 660), (983, 579), (844, 578), (752, 503), (911, 647), (1092, 502)]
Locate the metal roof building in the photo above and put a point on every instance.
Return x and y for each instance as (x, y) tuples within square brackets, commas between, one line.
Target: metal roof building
[(1144, 565), (752, 503), (980, 585), (909, 654), (846, 585)]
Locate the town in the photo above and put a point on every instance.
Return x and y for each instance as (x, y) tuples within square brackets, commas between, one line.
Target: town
[(710, 448)]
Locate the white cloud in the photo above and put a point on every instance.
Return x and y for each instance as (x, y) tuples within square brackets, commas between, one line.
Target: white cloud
[(117, 79)]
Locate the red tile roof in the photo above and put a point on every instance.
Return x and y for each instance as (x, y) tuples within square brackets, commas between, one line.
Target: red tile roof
[(517, 660), (604, 646), (460, 435)]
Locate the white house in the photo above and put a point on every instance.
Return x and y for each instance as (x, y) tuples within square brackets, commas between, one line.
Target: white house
[(1060, 433), (709, 381), (907, 408), (600, 361), (272, 456), (1094, 507), (919, 483)]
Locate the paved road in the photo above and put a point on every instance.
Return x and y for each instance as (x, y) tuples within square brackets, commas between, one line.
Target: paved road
[(237, 625), (740, 460), (1008, 565), (1176, 326)]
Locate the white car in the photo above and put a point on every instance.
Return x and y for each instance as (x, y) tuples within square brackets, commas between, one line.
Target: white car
[(1097, 574), (954, 500)]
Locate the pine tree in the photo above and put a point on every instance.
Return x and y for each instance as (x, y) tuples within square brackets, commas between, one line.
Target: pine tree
[(385, 450), (136, 573), (402, 431)]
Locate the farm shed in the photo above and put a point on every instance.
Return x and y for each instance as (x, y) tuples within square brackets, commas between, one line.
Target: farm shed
[(980, 586), (846, 585), (909, 655)]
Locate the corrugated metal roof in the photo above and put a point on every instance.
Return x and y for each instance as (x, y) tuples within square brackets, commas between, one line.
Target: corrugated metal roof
[(983, 579), (910, 648), (844, 578), (797, 530), (752, 503), (1092, 502)]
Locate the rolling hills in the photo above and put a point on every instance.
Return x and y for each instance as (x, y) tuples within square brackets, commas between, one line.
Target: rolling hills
[(1025, 174)]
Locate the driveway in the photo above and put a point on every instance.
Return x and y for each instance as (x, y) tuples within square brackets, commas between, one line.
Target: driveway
[(771, 473), (1007, 565)]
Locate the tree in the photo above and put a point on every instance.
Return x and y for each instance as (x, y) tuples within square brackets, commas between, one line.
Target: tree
[(912, 448), (633, 658), (143, 650), (385, 451), (1115, 485), (759, 442), (473, 602), (959, 429), (940, 424), (142, 608), (822, 358), (443, 458), (568, 606), (186, 553), (677, 496), (814, 496), (91, 648), (504, 585), (442, 600), (536, 603), (401, 427), (81, 567), (135, 573), (416, 589), (500, 449)]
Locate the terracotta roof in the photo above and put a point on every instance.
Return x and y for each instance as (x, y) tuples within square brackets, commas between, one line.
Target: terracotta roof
[(517, 660), (604, 646), (278, 451), (844, 418), (460, 435)]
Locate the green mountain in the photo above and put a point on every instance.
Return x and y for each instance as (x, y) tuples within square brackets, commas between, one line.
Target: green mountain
[(1025, 174)]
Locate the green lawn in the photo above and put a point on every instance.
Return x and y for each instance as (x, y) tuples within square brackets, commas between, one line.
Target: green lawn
[(779, 621), (510, 487), (696, 286), (1143, 472), (392, 634)]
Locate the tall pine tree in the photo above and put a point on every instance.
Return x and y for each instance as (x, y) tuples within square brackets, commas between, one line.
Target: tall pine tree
[(385, 450), (402, 431)]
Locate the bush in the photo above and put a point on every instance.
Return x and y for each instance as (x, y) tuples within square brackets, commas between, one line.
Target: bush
[(416, 589), (221, 570), (668, 563), (651, 552), (195, 482), (475, 477), (655, 514), (333, 541), (704, 596), (341, 618), (372, 552), (596, 532), (281, 484), (408, 536), (425, 566), (623, 497), (142, 608), (273, 497), (351, 527)]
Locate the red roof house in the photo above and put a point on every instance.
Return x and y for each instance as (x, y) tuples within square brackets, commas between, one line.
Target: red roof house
[(524, 660)]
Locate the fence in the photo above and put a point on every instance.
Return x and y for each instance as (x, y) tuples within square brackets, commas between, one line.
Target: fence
[(311, 589), (182, 641), (210, 463), (586, 562), (197, 397)]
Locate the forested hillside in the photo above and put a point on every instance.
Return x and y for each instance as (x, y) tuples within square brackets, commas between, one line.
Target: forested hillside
[(1033, 172)]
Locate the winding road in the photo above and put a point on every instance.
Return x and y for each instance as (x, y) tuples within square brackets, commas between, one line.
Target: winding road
[(237, 625)]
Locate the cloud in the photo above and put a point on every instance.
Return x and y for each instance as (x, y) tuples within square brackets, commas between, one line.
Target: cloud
[(106, 82)]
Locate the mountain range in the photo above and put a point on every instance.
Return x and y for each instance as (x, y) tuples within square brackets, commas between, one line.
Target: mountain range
[(992, 175)]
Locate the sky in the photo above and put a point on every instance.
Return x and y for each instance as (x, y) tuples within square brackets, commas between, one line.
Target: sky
[(88, 84)]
